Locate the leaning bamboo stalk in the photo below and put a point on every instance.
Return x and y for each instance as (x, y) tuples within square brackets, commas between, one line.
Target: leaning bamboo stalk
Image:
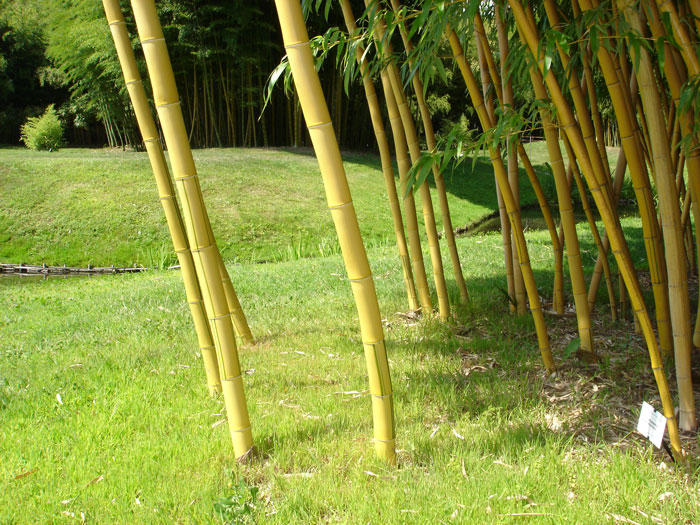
[(619, 246), (573, 173), (166, 192), (240, 323), (671, 224), (603, 245), (695, 10), (507, 101), (513, 215), (492, 72), (583, 113), (296, 43), (418, 90), (483, 53), (385, 157), (594, 107), (566, 212), (424, 189), (681, 36), (632, 143), (202, 243), (409, 203)]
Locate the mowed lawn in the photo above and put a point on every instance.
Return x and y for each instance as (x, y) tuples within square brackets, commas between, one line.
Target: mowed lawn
[(104, 411)]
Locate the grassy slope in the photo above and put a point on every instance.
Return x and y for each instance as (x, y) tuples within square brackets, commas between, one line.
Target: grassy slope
[(91, 206), (134, 413)]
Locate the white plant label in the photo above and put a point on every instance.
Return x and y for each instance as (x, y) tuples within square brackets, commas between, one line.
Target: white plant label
[(651, 424)]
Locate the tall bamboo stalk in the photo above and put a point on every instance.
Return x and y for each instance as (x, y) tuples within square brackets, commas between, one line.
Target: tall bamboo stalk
[(632, 143), (385, 156), (491, 71), (676, 79), (296, 43), (507, 102), (166, 192), (418, 90), (409, 204), (584, 118), (487, 65), (602, 245), (424, 190), (566, 212), (202, 243), (671, 224), (602, 199), (513, 215)]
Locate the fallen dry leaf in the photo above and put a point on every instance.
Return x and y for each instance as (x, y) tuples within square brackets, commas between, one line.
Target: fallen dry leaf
[(96, 480), (25, 474)]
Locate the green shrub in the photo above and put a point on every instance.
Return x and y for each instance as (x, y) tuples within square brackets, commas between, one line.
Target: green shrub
[(44, 132)]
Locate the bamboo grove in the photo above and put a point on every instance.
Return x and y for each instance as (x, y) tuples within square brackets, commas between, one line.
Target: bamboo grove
[(526, 68)]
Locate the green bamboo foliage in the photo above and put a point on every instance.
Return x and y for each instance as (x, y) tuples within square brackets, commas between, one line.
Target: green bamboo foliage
[(166, 192), (202, 243), (385, 156), (296, 42)]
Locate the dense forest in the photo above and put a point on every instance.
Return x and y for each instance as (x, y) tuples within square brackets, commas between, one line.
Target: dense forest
[(222, 52)]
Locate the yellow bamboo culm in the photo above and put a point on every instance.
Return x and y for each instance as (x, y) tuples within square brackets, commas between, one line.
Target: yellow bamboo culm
[(506, 98), (147, 126), (671, 225), (509, 201), (675, 82), (418, 90), (592, 128), (240, 323), (308, 86), (424, 191), (415, 154), (630, 137), (566, 211), (603, 203), (202, 243), (487, 68), (409, 203), (385, 156)]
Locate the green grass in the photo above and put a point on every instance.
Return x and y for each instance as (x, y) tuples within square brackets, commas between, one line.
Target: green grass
[(104, 412), (100, 207), (135, 438)]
